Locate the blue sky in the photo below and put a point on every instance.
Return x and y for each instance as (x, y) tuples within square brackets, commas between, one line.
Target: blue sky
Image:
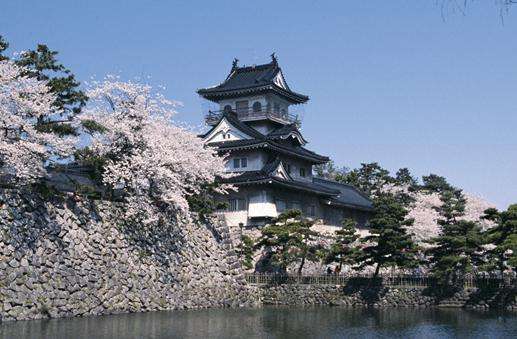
[(390, 81)]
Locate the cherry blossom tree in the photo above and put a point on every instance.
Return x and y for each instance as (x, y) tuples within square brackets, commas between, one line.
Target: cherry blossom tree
[(157, 164), (26, 151)]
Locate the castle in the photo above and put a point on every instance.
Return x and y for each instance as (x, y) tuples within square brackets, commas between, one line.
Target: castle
[(255, 128)]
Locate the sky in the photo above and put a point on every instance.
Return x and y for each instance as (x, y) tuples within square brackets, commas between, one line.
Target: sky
[(402, 82)]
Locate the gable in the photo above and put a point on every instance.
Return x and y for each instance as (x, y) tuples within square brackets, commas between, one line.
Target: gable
[(281, 172), (225, 131), (279, 80)]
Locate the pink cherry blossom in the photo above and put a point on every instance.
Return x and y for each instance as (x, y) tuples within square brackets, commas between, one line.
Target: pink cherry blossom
[(156, 163), (25, 151)]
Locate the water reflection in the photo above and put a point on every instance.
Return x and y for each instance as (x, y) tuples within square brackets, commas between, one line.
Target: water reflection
[(321, 322)]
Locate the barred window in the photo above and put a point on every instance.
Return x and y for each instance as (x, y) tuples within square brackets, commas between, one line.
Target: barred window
[(240, 162), (236, 205), (257, 106)]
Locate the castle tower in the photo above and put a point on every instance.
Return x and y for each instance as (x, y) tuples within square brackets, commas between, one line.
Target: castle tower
[(255, 128)]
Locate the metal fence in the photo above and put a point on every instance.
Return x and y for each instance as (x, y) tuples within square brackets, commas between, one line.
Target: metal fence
[(401, 280)]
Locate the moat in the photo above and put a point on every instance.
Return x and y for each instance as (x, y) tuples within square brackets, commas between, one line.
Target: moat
[(275, 322)]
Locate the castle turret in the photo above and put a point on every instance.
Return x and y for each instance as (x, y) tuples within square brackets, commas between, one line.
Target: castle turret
[(257, 93), (265, 150)]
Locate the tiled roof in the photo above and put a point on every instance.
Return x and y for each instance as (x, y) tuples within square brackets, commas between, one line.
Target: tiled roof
[(232, 119), (285, 131), (259, 78), (296, 151), (348, 196), (261, 177)]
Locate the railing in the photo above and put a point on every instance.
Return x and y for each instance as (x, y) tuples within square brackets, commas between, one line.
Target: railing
[(249, 114), (402, 280)]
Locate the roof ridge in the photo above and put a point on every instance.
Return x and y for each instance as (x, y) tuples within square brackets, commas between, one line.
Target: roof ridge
[(250, 68)]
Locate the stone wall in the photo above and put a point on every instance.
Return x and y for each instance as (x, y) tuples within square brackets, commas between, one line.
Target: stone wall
[(383, 296), (76, 257)]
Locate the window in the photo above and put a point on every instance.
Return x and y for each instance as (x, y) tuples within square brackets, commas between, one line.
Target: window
[(242, 106), (227, 108), (236, 205), (227, 135), (257, 107), (276, 107), (302, 172), (240, 162)]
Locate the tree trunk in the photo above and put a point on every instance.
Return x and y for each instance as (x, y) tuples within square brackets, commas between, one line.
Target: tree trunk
[(301, 266), (377, 270)]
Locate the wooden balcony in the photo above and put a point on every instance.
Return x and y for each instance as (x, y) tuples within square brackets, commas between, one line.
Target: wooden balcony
[(213, 117)]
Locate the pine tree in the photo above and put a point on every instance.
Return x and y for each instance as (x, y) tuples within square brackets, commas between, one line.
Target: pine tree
[(403, 177), (3, 46), (42, 64), (70, 99), (343, 250), (388, 244), (370, 178), (504, 237), (289, 239), (433, 183), (245, 251), (458, 249)]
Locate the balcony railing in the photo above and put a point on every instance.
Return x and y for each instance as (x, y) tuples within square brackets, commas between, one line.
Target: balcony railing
[(213, 117)]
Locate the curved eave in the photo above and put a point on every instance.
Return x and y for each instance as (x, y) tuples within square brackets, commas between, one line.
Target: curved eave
[(288, 184), (265, 144), (351, 206), (215, 94), (297, 136)]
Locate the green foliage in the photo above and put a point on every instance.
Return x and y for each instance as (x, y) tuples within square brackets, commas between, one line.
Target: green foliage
[(433, 183), (42, 64), (245, 251), (92, 126), (3, 46), (343, 250), (404, 177), (61, 129), (504, 237), (328, 170), (290, 239), (370, 178), (204, 203), (93, 161), (458, 249), (388, 244), (45, 191)]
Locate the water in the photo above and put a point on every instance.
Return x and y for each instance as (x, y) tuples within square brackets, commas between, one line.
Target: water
[(274, 322)]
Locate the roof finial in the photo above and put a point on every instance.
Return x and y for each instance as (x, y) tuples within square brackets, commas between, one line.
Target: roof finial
[(273, 58), (234, 63)]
